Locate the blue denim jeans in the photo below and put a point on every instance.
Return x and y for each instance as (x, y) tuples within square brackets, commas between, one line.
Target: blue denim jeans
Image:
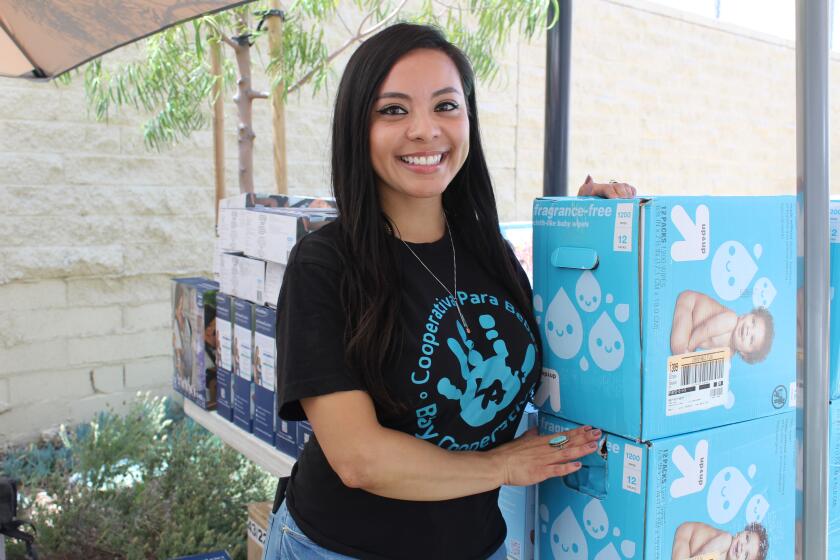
[(285, 541)]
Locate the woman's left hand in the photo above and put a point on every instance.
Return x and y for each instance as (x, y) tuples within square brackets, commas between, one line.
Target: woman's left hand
[(606, 190)]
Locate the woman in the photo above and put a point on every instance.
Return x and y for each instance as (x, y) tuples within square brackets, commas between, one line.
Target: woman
[(405, 330)]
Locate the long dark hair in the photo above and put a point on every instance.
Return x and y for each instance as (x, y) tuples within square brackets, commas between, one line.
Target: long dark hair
[(370, 282)]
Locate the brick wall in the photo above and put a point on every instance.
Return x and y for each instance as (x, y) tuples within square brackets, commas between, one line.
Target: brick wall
[(93, 226)]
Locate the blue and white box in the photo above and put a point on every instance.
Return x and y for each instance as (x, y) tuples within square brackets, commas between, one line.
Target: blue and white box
[(518, 505), (834, 299), (224, 360), (709, 495), (834, 480), (265, 363), (194, 339), (183, 311), (304, 434), (666, 315), (285, 438), (243, 364)]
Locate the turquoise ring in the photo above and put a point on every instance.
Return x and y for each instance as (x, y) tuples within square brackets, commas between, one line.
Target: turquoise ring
[(558, 442)]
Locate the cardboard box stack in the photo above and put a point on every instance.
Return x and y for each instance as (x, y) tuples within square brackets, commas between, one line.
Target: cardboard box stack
[(669, 323), (230, 322)]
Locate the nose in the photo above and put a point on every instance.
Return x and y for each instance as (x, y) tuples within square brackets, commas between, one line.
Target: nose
[(422, 126)]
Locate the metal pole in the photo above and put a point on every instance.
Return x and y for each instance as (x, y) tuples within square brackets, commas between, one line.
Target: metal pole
[(557, 71), (812, 190)]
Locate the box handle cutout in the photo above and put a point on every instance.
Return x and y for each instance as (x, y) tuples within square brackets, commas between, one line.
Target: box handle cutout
[(591, 478), (580, 258)]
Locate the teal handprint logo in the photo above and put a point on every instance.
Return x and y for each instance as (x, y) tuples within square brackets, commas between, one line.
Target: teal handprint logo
[(490, 383)]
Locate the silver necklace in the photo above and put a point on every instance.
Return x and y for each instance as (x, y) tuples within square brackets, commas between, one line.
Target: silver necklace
[(454, 269)]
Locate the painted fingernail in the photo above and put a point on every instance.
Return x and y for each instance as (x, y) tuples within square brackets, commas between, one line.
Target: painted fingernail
[(592, 445), (596, 433)]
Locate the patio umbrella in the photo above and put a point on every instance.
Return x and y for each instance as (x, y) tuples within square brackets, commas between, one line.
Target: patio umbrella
[(40, 39)]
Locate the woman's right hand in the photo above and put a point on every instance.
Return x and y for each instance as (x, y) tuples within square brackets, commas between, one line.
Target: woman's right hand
[(530, 459)]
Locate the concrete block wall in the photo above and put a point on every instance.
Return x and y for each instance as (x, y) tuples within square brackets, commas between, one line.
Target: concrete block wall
[(94, 226)]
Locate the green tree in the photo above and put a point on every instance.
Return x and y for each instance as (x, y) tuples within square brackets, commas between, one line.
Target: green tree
[(175, 82)]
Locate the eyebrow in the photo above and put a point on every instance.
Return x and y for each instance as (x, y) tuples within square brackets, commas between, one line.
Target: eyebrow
[(398, 95)]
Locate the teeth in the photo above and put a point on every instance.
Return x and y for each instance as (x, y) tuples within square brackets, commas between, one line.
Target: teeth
[(427, 160)]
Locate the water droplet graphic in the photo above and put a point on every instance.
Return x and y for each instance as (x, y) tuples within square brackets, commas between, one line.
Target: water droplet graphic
[(622, 312)]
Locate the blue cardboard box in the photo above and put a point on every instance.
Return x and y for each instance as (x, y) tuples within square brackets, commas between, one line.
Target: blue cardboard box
[(707, 495), (518, 505), (216, 555), (265, 362), (285, 438), (834, 299), (666, 315), (194, 339), (304, 434), (834, 480), (183, 311), (224, 358), (243, 364)]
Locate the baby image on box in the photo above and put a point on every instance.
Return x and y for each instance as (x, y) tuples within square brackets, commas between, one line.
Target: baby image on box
[(181, 332), (235, 355), (701, 541), (701, 323), (257, 366)]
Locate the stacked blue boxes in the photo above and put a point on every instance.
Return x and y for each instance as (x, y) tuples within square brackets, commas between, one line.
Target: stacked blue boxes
[(224, 348), (669, 323)]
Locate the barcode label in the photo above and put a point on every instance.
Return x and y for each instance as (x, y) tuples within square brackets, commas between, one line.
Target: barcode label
[(697, 381), (702, 372)]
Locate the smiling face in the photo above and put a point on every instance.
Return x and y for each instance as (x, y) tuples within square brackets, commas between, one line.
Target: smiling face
[(749, 333), (746, 545), (419, 131)]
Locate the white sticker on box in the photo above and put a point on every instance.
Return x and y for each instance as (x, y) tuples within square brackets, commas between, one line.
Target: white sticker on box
[(631, 479), (834, 221), (623, 234), (697, 381)]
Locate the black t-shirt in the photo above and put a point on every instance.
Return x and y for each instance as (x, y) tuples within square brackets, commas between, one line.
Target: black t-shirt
[(464, 391)]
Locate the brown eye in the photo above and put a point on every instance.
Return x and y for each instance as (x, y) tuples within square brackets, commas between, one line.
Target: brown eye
[(446, 106), (392, 110)]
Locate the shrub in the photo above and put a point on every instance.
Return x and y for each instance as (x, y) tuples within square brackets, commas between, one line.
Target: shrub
[(149, 484)]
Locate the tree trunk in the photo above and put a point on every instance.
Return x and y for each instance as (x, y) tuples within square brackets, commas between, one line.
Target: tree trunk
[(243, 98), (218, 124), (278, 111)]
